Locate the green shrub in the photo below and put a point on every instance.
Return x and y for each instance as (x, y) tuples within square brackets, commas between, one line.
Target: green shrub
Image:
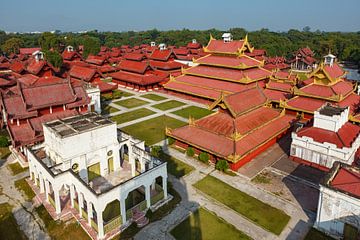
[(222, 165), (4, 142), (204, 157), (171, 141), (190, 151), (156, 151)]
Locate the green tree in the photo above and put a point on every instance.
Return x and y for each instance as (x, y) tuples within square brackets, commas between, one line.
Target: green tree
[(54, 58), (204, 157), (190, 152), (12, 45), (49, 41), (91, 46), (222, 165)]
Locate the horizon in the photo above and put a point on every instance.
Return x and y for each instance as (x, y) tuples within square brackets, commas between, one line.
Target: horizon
[(67, 16)]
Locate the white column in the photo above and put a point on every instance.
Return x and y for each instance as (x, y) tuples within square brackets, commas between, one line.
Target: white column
[(164, 184), (100, 223), (123, 210), (81, 203), (47, 190), (90, 212), (72, 195), (147, 196), (133, 168), (57, 201), (42, 187)]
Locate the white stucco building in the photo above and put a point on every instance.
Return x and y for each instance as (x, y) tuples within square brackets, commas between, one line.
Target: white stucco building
[(106, 175), (331, 138), (339, 202), (95, 101)]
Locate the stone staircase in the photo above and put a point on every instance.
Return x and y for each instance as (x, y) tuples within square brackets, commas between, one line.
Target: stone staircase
[(139, 218)]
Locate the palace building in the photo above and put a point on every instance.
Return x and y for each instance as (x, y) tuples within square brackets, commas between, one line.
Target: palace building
[(325, 84), (338, 213), (225, 69), (303, 60), (331, 138), (244, 126), (107, 182)]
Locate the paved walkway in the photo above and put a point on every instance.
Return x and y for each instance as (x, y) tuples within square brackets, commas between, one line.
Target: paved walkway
[(192, 199), (23, 211)]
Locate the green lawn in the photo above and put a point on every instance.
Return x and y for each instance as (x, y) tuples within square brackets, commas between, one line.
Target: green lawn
[(193, 111), (59, 230), (262, 214), (107, 109), (116, 94), (152, 130), (176, 167), (203, 224), (24, 187), (315, 234), (153, 97), (9, 230), (168, 105), (131, 102), (133, 115), (16, 168), (4, 152)]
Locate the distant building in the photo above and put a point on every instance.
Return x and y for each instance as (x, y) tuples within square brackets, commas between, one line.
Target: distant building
[(331, 138), (86, 170), (303, 60), (338, 211)]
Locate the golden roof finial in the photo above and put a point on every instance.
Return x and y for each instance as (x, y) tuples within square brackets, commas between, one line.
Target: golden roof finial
[(191, 121)]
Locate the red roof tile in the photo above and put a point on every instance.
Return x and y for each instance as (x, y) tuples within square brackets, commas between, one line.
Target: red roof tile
[(345, 137), (334, 71), (347, 180), (28, 51), (235, 62), (305, 103), (82, 73), (248, 99), (134, 56), (134, 66), (170, 65), (97, 60), (275, 95), (162, 55), (219, 46), (229, 74)]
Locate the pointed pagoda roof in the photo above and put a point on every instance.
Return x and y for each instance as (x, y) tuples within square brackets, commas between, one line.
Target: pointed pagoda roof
[(234, 47)]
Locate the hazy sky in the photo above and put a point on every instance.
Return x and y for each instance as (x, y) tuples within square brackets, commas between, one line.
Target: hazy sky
[(123, 15)]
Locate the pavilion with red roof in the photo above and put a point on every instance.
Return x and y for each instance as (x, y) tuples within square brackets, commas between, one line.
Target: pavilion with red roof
[(325, 84), (244, 127)]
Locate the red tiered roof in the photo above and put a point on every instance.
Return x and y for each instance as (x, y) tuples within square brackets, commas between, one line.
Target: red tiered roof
[(282, 86), (134, 56), (134, 66), (345, 136), (83, 73), (229, 74), (275, 95), (97, 60), (334, 71), (161, 55), (71, 55), (218, 46), (305, 103), (341, 87), (347, 180), (235, 62)]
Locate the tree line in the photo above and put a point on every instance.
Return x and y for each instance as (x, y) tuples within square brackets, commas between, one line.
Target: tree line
[(345, 45)]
